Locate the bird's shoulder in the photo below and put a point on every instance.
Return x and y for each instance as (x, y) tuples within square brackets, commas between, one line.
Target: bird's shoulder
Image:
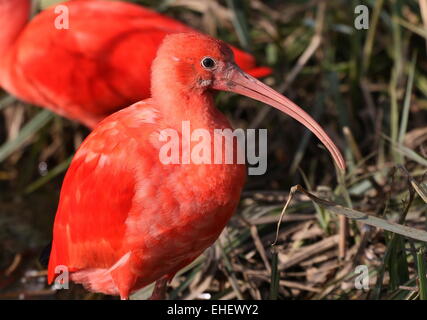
[(121, 135), (86, 26)]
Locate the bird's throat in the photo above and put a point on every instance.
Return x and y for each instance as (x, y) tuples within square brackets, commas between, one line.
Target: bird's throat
[(197, 109)]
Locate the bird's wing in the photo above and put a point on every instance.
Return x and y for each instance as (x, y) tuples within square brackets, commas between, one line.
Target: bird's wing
[(91, 58), (98, 190), (100, 64)]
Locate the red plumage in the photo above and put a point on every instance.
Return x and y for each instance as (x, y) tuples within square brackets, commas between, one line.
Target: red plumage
[(126, 219), (97, 66)]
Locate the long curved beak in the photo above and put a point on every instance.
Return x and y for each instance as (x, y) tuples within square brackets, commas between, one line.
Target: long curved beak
[(235, 80)]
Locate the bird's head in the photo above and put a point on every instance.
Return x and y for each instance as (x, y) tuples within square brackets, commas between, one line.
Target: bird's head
[(193, 60), (197, 63)]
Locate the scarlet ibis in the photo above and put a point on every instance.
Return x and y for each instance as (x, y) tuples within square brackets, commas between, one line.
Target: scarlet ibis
[(125, 219), (97, 66)]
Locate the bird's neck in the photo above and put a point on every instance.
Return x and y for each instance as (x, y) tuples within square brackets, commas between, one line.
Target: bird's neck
[(14, 15), (196, 107)]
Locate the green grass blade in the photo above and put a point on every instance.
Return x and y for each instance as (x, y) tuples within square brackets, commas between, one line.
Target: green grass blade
[(318, 110), (420, 189), (409, 153), (407, 102), (413, 28), (184, 285), (322, 215), (395, 75), (397, 263), (230, 272), (422, 270), (35, 124), (5, 101), (240, 23), (51, 174), (367, 48), (409, 232), (275, 276)]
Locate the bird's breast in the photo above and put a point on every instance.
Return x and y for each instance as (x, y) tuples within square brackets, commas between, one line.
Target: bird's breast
[(180, 207), (180, 211), (188, 202)]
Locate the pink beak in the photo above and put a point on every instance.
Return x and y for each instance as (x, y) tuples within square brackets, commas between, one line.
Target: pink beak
[(235, 80)]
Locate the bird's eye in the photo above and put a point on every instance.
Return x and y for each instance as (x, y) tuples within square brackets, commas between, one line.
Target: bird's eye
[(208, 63)]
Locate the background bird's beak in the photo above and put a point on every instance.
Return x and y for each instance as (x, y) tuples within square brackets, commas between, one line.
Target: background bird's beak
[(235, 80)]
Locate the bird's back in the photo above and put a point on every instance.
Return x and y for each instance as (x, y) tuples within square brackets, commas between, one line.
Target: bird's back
[(100, 64)]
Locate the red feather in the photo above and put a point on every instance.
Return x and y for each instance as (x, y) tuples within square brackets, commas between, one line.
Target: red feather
[(99, 65)]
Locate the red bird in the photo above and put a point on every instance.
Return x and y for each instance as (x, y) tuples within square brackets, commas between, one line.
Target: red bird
[(126, 219), (96, 67)]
